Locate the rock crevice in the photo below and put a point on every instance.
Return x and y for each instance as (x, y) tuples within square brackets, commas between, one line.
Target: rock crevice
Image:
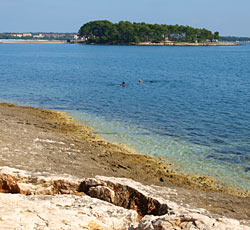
[(114, 193), (123, 196)]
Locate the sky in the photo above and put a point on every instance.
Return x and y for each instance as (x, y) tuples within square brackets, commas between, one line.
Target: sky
[(229, 17)]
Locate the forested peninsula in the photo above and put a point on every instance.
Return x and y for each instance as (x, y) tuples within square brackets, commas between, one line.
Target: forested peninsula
[(127, 33)]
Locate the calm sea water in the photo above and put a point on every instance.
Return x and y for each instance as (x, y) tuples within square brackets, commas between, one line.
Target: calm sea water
[(193, 106)]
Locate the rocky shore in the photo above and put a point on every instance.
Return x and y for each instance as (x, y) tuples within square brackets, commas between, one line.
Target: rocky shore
[(168, 43), (173, 43), (56, 174)]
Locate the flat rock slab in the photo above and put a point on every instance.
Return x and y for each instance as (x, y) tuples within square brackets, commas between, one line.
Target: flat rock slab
[(61, 212), (106, 203)]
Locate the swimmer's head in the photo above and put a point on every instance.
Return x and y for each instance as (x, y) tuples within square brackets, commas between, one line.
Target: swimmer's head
[(140, 81)]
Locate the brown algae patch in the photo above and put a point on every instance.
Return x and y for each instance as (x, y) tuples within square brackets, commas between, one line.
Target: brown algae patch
[(158, 164)]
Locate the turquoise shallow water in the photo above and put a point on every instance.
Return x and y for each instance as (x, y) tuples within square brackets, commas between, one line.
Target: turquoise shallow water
[(193, 106)]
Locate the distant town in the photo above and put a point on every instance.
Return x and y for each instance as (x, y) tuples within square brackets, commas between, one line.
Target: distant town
[(40, 36)]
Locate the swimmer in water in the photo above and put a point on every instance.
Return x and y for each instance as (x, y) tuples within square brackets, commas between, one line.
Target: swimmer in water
[(140, 81), (123, 84)]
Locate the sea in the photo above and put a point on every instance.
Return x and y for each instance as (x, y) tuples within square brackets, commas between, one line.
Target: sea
[(193, 106)]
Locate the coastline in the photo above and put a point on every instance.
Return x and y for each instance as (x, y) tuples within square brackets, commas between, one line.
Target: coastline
[(61, 122), (169, 43), (39, 140), (15, 41), (188, 44)]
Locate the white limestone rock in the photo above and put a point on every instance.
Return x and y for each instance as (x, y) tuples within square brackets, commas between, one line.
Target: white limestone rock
[(49, 202), (62, 212)]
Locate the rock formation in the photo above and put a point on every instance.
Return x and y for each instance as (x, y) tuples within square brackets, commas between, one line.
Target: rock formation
[(124, 196), (42, 201)]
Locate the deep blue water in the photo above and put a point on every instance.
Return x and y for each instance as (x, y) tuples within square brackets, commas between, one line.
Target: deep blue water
[(193, 106)]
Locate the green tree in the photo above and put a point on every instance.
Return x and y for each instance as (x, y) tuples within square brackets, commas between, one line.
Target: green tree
[(124, 32), (216, 35)]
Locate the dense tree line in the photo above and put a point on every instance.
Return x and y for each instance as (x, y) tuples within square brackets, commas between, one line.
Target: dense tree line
[(124, 32)]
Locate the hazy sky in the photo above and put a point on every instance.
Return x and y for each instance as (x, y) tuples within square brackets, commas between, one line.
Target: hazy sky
[(229, 17)]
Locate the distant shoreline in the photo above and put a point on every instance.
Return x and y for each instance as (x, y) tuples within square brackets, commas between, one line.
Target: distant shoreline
[(14, 41), (167, 44), (190, 44)]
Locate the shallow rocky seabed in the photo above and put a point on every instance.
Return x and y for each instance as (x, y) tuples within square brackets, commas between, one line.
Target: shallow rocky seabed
[(50, 178)]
